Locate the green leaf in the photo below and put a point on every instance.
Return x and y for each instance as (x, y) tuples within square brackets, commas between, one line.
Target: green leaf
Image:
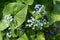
[(13, 33), (12, 8), (23, 37), (57, 0), (54, 1), (2, 26), (20, 16), (31, 34), (20, 1), (57, 24), (28, 2), (1, 36), (55, 15), (18, 10), (6, 38), (58, 36), (40, 36)]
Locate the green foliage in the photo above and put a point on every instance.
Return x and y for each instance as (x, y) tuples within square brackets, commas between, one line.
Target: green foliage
[(2, 26), (28, 19), (40, 36), (55, 14), (20, 16), (1, 36), (28, 2), (16, 10), (58, 36), (23, 37)]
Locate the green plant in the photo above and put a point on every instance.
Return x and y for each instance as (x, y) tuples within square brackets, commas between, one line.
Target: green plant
[(29, 19)]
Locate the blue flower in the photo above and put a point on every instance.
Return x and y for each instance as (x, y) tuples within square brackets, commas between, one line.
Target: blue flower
[(41, 24), (48, 23), (52, 33), (21, 31), (37, 6)]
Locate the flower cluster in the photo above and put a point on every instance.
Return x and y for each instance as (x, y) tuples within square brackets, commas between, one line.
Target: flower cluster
[(31, 23), (39, 8), (8, 34), (36, 23), (7, 20), (39, 22)]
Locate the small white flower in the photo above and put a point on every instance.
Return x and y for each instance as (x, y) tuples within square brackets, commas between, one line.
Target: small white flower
[(41, 24), (29, 25), (32, 18), (11, 20), (36, 24), (42, 6), (7, 20), (33, 12), (33, 28), (45, 23), (38, 11), (10, 17), (37, 6), (44, 19), (8, 34), (48, 23), (44, 12), (9, 28), (29, 21), (26, 25)]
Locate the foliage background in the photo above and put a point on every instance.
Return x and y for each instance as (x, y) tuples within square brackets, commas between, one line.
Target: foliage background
[(21, 11)]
